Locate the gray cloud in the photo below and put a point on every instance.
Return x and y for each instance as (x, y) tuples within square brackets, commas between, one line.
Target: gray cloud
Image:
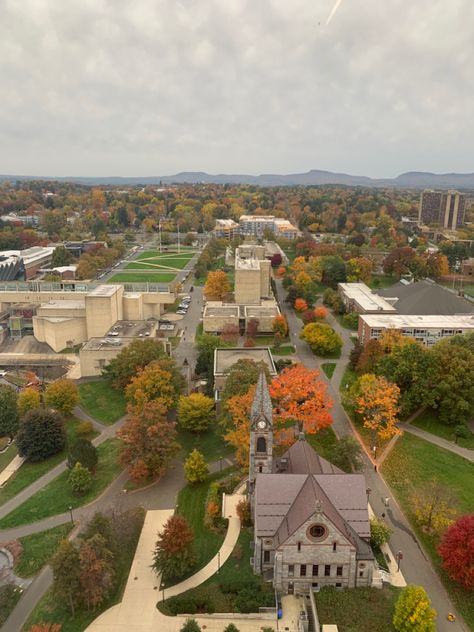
[(100, 87)]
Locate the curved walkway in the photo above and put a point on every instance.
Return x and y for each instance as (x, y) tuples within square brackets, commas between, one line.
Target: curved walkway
[(465, 453)]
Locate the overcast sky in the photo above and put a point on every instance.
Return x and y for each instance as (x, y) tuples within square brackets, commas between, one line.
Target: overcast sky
[(153, 87)]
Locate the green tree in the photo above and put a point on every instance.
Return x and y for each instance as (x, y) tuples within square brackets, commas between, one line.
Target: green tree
[(322, 339), (334, 270), (379, 532), (61, 257), (66, 582), (347, 454), (195, 468), (84, 452), (28, 399), (231, 628), (413, 611), (241, 376), (80, 479), (133, 357), (195, 412), (9, 416), (174, 550), (454, 388), (41, 434), (205, 345), (101, 525), (63, 395), (190, 625)]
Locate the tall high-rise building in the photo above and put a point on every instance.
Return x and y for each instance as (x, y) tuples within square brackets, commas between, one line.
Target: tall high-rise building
[(442, 207)]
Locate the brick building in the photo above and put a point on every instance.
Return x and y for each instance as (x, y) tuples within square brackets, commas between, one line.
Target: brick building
[(442, 207)]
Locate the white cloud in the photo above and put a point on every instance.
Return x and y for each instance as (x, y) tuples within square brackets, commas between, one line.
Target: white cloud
[(152, 87)]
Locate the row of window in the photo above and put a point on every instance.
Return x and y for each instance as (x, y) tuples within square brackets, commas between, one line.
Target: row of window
[(313, 570)]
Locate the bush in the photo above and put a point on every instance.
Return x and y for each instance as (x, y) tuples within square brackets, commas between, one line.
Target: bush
[(237, 584), (84, 428), (190, 605), (351, 320), (379, 532), (41, 435), (80, 479), (250, 600), (243, 511)]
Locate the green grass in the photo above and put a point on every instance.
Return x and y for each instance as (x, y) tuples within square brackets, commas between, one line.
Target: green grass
[(428, 421), (38, 548), (56, 496), (155, 263), (30, 472), (349, 377), (145, 277), (7, 457), (414, 462), (329, 368), (358, 609), (284, 350), (9, 597), (323, 442), (102, 402), (210, 443), (381, 281), (50, 609)]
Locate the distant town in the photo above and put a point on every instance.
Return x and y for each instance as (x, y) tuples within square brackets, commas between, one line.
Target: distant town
[(232, 407)]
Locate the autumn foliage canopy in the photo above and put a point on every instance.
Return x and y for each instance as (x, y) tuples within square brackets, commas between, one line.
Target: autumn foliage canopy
[(457, 551)]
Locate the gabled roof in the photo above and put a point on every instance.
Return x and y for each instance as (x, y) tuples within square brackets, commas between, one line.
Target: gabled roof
[(426, 297), (301, 458), (262, 404)]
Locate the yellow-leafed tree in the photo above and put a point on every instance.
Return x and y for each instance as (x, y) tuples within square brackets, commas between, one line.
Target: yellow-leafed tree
[(217, 286)]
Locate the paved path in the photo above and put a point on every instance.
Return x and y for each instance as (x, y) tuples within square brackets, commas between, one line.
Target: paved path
[(11, 468), (465, 453)]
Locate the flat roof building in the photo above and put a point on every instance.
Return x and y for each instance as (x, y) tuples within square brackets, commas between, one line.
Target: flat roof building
[(358, 297), (226, 357)]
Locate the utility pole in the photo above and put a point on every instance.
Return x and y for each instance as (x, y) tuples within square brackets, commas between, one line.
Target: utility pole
[(178, 237)]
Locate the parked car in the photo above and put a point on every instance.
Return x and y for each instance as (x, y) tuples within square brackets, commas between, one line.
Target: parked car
[(182, 312)]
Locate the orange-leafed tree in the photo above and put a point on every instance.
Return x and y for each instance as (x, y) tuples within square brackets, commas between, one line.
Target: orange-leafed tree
[(217, 286), (280, 271), (46, 627), (150, 383), (301, 305), (320, 312), (238, 434), (376, 400), (280, 325), (392, 338)]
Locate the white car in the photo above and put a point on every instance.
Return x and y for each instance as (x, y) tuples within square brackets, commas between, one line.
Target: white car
[(182, 312)]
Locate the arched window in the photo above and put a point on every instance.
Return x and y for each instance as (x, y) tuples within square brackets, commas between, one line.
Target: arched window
[(261, 444)]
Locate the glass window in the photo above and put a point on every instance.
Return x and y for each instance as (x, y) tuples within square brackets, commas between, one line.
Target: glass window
[(291, 570), (303, 570), (339, 571), (266, 556), (327, 570), (317, 531), (315, 570)]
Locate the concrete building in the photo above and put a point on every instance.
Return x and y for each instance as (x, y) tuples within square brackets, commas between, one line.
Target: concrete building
[(358, 297), (226, 357), (311, 522), (252, 275), (226, 229), (217, 315), (77, 248), (25, 264), (256, 225), (427, 329), (445, 208)]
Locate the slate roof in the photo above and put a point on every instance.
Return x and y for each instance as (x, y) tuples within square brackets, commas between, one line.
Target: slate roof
[(426, 297), (262, 404), (300, 458)]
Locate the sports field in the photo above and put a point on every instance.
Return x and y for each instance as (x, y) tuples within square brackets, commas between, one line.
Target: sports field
[(153, 266)]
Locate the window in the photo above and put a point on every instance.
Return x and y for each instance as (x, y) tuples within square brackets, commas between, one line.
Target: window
[(260, 469), (303, 570), (361, 573), (261, 444), (327, 570), (339, 571), (334, 546), (315, 584), (266, 557), (299, 547), (291, 570), (315, 570), (338, 585), (317, 531)]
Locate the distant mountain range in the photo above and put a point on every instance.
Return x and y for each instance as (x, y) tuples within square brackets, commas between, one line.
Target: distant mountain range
[(411, 179)]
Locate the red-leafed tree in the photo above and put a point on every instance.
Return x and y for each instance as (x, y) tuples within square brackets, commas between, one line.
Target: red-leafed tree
[(457, 551), (252, 327), (96, 571), (174, 550), (230, 333)]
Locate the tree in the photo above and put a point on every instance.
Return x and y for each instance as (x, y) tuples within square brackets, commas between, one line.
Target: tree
[(320, 313), (9, 417), (195, 412), (433, 506), (230, 333), (231, 628), (46, 627), (369, 357), (217, 286), (152, 382), (149, 441), (244, 513), (379, 532), (359, 269), (133, 357), (174, 550), (205, 344), (249, 343), (301, 305), (334, 270), (413, 611), (280, 325), (80, 479), (276, 260), (96, 571), (65, 565), (41, 434), (460, 432), (347, 454), (308, 316), (190, 625), (28, 399), (457, 551), (252, 327), (101, 525), (355, 354), (397, 262), (322, 338), (84, 452), (61, 257), (195, 468), (62, 395), (376, 400), (241, 376)]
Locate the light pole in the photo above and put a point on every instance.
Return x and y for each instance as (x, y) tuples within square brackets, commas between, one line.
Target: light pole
[(220, 464), (218, 561), (367, 491), (70, 513)]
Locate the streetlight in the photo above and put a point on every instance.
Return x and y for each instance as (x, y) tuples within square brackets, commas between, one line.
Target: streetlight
[(220, 464), (367, 491), (70, 512), (218, 561)]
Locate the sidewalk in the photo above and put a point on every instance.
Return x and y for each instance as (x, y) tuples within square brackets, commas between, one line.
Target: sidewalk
[(465, 453), (10, 469)]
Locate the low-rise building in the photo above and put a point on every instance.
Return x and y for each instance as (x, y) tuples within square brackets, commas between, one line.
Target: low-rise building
[(24, 263), (226, 357), (226, 229), (217, 315), (256, 225), (427, 329), (358, 297)]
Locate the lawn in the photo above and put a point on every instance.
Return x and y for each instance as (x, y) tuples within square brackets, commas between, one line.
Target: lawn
[(30, 472), (7, 457), (283, 350), (38, 548), (323, 442), (210, 443), (102, 402), (414, 462), (9, 597), (50, 610), (358, 609), (428, 421), (328, 368), (381, 281), (56, 497), (154, 263), (142, 277)]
